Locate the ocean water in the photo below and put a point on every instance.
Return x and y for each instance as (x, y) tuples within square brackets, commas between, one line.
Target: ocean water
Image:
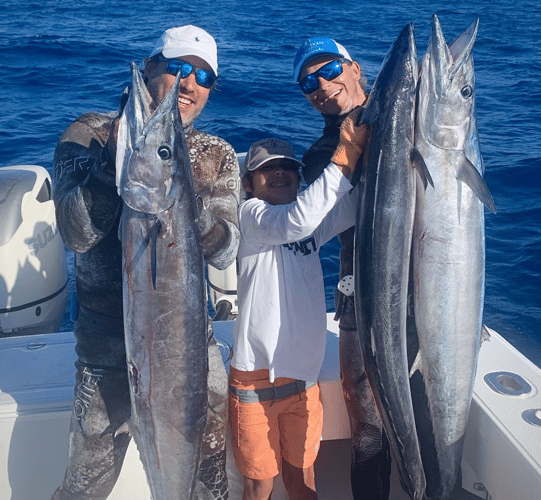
[(60, 59)]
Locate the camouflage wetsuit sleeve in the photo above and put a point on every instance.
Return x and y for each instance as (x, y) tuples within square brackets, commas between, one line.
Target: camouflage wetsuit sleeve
[(216, 177), (88, 211), (86, 206)]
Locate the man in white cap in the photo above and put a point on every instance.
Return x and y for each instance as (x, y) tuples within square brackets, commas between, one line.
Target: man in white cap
[(88, 212), (274, 401), (334, 85), (191, 51)]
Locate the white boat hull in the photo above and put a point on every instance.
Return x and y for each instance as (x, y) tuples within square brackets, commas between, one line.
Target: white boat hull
[(502, 453)]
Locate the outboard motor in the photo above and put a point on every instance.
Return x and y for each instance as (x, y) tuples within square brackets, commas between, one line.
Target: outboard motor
[(33, 270), (223, 292)]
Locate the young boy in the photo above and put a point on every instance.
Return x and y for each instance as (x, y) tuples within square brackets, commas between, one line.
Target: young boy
[(274, 401)]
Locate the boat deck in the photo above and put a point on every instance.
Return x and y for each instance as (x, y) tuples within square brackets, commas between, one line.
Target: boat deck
[(502, 452)]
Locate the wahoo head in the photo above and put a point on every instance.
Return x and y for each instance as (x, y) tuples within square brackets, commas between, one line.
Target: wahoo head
[(151, 149), (399, 70), (446, 103)]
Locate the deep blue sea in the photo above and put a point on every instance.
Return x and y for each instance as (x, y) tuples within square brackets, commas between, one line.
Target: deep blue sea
[(61, 59)]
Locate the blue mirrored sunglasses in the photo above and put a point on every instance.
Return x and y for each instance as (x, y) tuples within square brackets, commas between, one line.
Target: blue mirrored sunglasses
[(203, 77), (329, 71)]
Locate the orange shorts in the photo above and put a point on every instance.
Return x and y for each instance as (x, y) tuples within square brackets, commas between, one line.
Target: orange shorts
[(262, 433)]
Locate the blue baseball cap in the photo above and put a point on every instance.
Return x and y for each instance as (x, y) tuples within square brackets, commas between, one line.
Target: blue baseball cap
[(316, 47)]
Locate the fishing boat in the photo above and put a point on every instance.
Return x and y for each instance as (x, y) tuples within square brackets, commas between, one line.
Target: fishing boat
[(502, 450)]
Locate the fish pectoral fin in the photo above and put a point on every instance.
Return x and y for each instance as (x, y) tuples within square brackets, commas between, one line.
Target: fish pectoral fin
[(468, 174), (417, 364), (418, 162)]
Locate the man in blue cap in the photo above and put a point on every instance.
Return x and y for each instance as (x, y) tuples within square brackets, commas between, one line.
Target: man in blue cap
[(334, 85)]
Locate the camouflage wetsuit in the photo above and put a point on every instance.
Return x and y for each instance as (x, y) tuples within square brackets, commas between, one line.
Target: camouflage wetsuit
[(370, 454), (88, 212)]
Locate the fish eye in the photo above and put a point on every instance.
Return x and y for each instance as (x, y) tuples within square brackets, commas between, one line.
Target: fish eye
[(164, 152), (466, 91)]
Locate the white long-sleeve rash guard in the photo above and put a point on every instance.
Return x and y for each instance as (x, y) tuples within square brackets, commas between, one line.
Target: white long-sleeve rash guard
[(281, 324)]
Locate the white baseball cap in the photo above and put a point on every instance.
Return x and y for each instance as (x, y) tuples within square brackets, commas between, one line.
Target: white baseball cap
[(188, 41)]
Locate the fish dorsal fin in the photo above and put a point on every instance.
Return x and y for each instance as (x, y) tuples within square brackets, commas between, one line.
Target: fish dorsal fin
[(439, 55), (142, 101), (169, 104), (461, 49), (468, 174), (135, 114)]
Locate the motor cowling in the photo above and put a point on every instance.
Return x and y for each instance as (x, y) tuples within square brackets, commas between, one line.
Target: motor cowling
[(33, 269)]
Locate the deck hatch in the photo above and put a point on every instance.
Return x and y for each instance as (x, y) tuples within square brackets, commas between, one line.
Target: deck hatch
[(508, 383), (532, 416)]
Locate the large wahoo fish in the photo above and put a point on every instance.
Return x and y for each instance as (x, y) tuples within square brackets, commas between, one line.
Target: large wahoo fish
[(164, 293), (448, 249), (382, 251)]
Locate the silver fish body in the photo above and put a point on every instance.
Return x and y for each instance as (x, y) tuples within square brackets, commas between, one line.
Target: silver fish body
[(164, 292), (382, 252), (448, 248)]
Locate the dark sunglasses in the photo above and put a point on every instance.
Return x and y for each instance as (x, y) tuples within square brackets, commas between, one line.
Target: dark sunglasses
[(310, 83), (203, 77)]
